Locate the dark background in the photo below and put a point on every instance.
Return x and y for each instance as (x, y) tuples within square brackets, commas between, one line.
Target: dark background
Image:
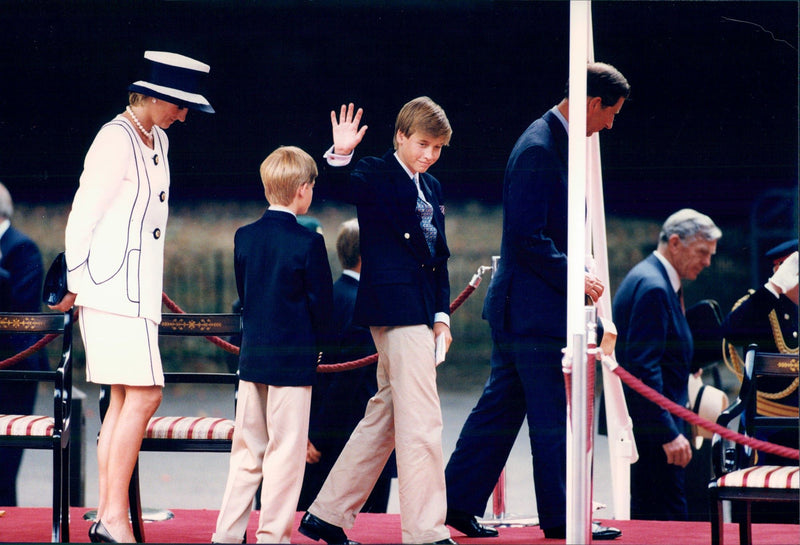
[(712, 121)]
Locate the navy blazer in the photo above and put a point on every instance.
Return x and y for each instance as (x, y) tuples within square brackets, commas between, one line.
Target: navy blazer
[(402, 283), (285, 285), (655, 344), (528, 291), (21, 275)]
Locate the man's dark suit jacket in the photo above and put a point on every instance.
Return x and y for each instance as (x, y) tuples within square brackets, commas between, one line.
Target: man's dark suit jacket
[(285, 285), (401, 282), (655, 344), (21, 275), (528, 292)]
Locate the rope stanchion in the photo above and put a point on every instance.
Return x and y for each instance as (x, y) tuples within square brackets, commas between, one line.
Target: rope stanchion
[(684, 413), (345, 366)]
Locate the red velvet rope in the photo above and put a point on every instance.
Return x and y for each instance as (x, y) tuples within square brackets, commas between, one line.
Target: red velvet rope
[(327, 368), (35, 347), (232, 348), (690, 416)]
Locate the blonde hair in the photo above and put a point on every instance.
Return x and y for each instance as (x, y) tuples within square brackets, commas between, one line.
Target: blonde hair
[(136, 98), (425, 116), (284, 171)]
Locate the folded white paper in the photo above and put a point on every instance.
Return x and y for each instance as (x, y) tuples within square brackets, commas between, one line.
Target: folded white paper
[(441, 348)]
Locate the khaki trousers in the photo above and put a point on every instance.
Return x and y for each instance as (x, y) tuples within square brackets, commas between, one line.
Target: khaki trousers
[(404, 415), (269, 443)]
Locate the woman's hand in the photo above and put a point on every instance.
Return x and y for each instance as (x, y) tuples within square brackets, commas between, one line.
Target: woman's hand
[(66, 303)]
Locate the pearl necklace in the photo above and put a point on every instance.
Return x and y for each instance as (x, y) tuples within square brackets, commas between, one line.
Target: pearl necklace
[(138, 124)]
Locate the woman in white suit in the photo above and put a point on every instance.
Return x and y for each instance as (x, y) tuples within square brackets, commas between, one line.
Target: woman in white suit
[(114, 246)]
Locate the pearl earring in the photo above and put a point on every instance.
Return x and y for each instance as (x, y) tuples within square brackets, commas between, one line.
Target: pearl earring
[(154, 101)]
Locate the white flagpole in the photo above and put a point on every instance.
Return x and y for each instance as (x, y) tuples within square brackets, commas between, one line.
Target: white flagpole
[(621, 443), (578, 474)]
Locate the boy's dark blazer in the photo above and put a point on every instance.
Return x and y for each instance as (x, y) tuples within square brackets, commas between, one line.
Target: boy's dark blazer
[(285, 285), (401, 282)]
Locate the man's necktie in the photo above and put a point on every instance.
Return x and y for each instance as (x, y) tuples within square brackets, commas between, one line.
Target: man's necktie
[(425, 213), (680, 298)]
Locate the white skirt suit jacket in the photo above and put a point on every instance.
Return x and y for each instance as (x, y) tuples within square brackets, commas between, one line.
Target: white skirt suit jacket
[(115, 231)]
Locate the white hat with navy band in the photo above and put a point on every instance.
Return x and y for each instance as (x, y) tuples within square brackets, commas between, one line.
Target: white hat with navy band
[(176, 79)]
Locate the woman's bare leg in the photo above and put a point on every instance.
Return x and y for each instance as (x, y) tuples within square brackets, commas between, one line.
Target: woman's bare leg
[(140, 403)]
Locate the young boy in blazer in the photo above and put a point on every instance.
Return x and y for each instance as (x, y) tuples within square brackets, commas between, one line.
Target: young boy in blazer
[(404, 298), (285, 285)]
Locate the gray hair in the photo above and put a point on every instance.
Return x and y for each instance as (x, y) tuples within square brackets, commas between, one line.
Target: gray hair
[(688, 224), (6, 204)]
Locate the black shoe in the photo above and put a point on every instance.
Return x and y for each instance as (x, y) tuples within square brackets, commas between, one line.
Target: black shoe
[(445, 541), (600, 532), (467, 524), (99, 534), (92, 533), (315, 528), (558, 532)]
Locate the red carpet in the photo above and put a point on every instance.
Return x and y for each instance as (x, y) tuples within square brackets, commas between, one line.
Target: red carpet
[(32, 525)]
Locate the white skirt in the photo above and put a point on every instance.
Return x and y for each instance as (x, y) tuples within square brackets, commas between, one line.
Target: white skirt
[(120, 349)]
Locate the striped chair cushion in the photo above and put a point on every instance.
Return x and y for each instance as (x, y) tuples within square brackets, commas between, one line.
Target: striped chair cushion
[(763, 477), (189, 427), (26, 425)]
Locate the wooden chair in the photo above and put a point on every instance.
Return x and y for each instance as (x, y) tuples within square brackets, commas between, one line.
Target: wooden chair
[(185, 433), (52, 432), (739, 480)]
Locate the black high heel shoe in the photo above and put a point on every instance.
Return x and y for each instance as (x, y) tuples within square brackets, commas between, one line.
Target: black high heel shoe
[(99, 534), (92, 532)]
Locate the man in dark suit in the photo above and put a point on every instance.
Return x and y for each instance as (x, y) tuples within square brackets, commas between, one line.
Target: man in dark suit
[(339, 399), (21, 274), (404, 298), (526, 309), (655, 344)]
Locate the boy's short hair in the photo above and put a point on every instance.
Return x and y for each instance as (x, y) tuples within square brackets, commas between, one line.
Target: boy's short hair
[(425, 116), (348, 246), (284, 171)]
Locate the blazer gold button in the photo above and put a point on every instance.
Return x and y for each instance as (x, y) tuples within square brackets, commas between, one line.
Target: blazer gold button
[(162, 196), (406, 236), (157, 234)]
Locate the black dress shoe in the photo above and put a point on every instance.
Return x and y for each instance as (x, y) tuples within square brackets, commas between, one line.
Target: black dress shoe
[(600, 532), (99, 534), (445, 541), (315, 528), (467, 524)]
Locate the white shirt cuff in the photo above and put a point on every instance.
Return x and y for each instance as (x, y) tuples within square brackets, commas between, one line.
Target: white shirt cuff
[(442, 317), (337, 160)]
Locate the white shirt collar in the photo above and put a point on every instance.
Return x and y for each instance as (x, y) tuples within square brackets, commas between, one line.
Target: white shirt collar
[(674, 279), (4, 225), (411, 175), (279, 208), (351, 273), (560, 117)]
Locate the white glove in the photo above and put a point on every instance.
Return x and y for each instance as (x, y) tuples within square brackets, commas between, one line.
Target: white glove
[(785, 277)]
